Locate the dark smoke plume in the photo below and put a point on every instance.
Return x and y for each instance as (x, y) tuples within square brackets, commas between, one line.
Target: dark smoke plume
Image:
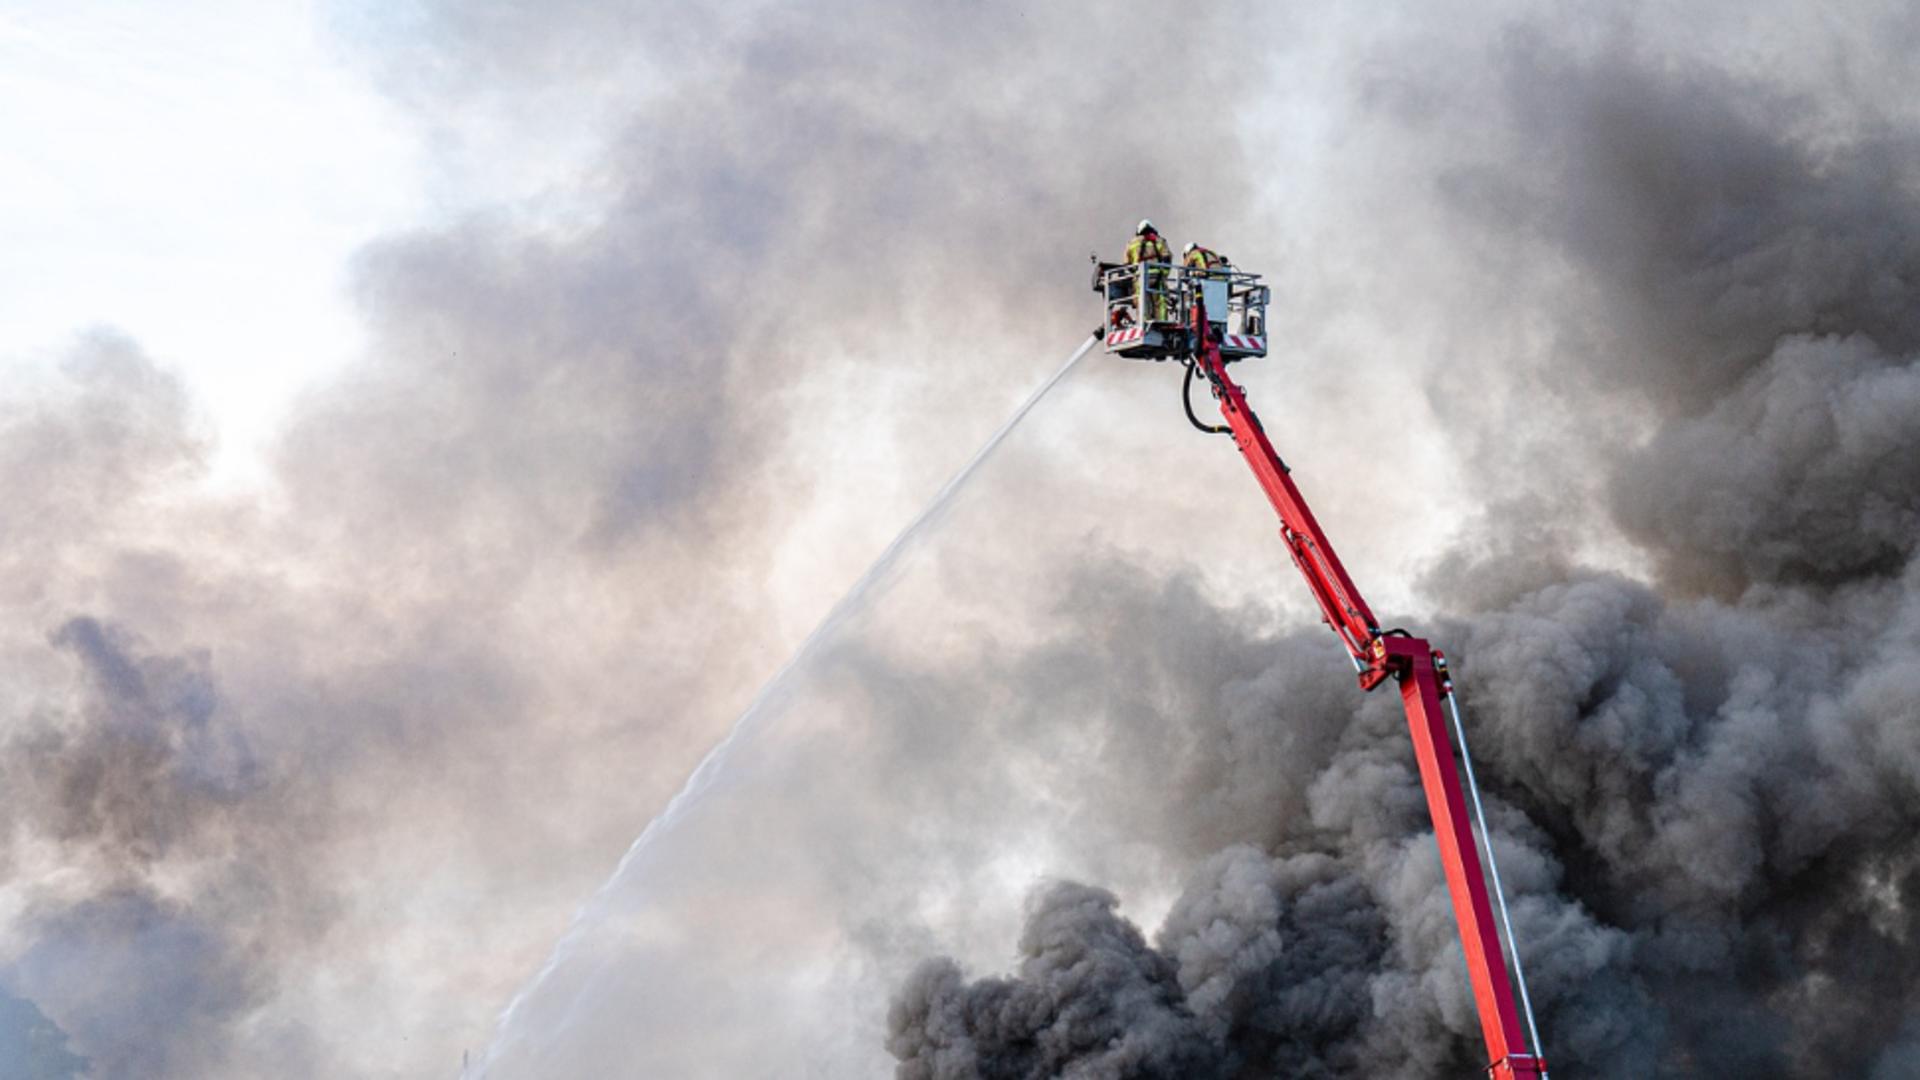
[(1090, 1000), (1705, 794), (1613, 309)]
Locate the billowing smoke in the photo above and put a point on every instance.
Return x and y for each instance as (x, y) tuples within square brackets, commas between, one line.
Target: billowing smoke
[(1704, 788), (307, 781), (1273, 955), (1599, 366)]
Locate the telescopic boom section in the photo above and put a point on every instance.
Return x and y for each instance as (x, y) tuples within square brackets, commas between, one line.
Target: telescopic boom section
[(1421, 672)]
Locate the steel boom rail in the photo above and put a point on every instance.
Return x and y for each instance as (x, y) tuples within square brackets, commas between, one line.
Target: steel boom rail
[(1421, 672)]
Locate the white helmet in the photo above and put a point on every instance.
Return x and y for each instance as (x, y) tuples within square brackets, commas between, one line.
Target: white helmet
[(1145, 227), (1188, 250)]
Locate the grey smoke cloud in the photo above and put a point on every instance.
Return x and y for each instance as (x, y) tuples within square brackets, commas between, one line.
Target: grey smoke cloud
[(1799, 473), (181, 861), (304, 753), (146, 767), (1091, 1000), (1694, 783), (326, 777)]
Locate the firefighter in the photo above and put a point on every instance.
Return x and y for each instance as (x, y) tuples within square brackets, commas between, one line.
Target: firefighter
[(1205, 263), (1195, 257), (1147, 247)]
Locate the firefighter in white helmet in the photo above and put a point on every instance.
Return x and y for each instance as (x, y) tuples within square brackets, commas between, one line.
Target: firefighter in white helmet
[(1195, 257), (1147, 248)]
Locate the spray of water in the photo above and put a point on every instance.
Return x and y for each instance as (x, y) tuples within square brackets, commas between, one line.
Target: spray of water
[(752, 720)]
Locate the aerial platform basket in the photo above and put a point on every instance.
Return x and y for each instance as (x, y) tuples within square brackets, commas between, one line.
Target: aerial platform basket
[(1150, 309)]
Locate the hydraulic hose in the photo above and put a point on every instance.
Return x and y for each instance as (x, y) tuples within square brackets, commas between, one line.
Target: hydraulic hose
[(1186, 399)]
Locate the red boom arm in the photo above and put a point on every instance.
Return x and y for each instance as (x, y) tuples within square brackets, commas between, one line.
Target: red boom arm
[(1421, 672)]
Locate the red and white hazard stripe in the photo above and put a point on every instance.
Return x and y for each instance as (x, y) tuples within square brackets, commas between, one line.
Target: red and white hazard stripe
[(1126, 337), (1245, 342)]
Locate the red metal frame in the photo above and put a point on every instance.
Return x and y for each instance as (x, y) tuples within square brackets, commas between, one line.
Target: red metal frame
[(1413, 662)]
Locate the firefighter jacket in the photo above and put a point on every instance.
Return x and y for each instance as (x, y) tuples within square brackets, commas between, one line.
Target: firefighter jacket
[(1206, 259), (1148, 248)]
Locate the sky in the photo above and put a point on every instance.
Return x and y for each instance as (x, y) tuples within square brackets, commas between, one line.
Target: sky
[(200, 177), (197, 177), (431, 429)]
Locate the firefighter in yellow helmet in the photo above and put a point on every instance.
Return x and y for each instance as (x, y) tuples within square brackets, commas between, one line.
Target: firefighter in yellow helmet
[(1147, 247), (1206, 263), (1195, 257)]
